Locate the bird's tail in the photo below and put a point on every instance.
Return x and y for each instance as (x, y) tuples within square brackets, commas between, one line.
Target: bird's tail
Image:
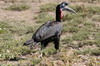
[(28, 42)]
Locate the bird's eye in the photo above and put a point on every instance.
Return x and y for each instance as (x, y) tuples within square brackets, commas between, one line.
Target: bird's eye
[(66, 3), (61, 6)]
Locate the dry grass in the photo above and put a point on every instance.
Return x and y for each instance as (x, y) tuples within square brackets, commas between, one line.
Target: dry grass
[(18, 7), (80, 42)]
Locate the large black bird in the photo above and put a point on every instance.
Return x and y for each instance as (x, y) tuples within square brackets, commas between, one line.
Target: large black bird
[(51, 30)]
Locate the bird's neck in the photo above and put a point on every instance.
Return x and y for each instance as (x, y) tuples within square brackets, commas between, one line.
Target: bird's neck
[(58, 14)]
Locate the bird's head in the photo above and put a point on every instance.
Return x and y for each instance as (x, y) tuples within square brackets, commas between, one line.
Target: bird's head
[(64, 7)]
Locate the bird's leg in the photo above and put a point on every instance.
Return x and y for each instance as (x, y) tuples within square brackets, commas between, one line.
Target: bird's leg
[(31, 46), (43, 45), (42, 53), (34, 44), (56, 42)]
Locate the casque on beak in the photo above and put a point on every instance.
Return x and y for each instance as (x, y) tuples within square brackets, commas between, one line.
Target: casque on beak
[(64, 7), (69, 9)]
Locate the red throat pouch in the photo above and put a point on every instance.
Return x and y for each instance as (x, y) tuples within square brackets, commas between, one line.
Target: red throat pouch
[(61, 14)]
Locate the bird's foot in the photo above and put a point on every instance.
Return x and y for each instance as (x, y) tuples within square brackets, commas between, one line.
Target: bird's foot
[(31, 46), (42, 54), (57, 51)]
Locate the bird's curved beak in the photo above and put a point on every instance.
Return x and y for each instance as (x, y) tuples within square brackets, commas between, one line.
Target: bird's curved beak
[(68, 9)]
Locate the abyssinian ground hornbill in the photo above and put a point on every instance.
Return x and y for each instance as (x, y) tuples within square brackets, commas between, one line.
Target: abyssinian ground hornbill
[(51, 30)]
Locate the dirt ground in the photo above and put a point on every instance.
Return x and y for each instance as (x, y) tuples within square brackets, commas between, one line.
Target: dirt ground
[(28, 18)]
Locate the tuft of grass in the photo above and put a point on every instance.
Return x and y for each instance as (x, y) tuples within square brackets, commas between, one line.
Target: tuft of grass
[(44, 17), (70, 29), (89, 1), (18, 7), (21, 31), (70, 58), (48, 7), (20, 28), (81, 35), (67, 40), (94, 9), (49, 51), (7, 36), (2, 31), (3, 27), (89, 24), (89, 42), (8, 53), (11, 42), (86, 9), (96, 18), (73, 29), (86, 51), (89, 51), (35, 61), (97, 38), (72, 25), (3, 24), (76, 16), (95, 52), (92, 62), (12, 50)]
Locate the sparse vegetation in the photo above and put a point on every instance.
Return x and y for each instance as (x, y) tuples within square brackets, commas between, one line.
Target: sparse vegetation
[(49, 51), (96, 18), (81, 35), (44, 17), (18, 7), (80, 42), (89, 1), (89, 51), (35, 61), (48, 7), (10, 47), (87, 9)]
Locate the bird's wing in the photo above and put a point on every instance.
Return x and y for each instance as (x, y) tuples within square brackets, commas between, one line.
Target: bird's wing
[(48, 30)]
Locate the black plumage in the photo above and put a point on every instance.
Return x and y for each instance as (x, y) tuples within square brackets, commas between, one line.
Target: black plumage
[(48, 32), (51, 30)]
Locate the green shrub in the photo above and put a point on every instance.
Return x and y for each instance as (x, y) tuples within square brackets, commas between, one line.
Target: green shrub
[(18, 7)]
